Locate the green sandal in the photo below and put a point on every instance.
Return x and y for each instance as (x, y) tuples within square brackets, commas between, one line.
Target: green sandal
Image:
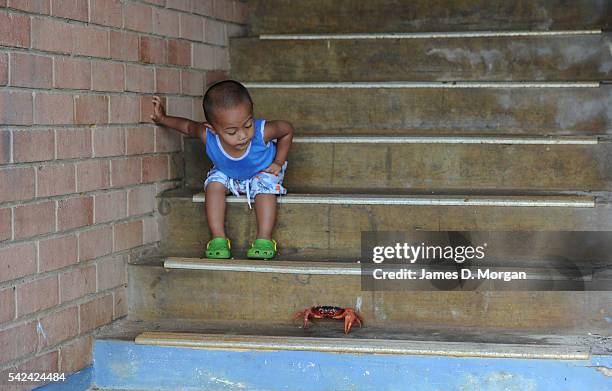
[(219, 248), (262, 249)]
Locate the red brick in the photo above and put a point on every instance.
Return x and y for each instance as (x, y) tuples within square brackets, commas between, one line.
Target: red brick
[(111, 206), (109, 142), (108, 76), (141, 200), (96, 313), (150, 230), (74, 212), (139, 78), (203, 7), (71, 9), (73, 143), (33, 145), (16, 184), (128, 235), (3, 69), (95, 243), (125, 172), (89, 41), (138, 17), (180, 107), (53, 108), (167, 81), (16, 108), (7, 304), (121, 302), (52, 35), (17, 261), (55, 180), (5, 146), (203, 56), (140, 140), (34, 6), (183, 5), (112, 272), (6, 226), (223, 9), (29, 70), (179, 52), (192, 83), (77, 283), (37, 295), (76, 355), (154, 168), (192, 27), (216, 32), (14, 30), (124, 109), (166, 22), (91, 109), (72, 73), (107, 12), (177, 166), (59, 326), (93, 175), (146, 108), (198, 112), (152, 50), (58, 252), (124, 46), (34, 219), (221, 57), (215, 76), (167, 140), (18, 341)]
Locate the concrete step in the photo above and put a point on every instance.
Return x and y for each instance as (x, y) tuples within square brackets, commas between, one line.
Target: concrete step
[(183, 354), (585, 57), (533, 108), (330, 226), (273, 296), (428, 163), (355, 16)]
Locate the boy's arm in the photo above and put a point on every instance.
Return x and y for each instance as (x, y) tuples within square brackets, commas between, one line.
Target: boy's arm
[(282, 131), (183, 125)]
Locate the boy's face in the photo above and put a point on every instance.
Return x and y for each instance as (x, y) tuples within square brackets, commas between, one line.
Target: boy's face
[(235, 126)]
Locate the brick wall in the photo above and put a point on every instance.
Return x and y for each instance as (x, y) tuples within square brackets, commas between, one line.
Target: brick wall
[(80, 164)]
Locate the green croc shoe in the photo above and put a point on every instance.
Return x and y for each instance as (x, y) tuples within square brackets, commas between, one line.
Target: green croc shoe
[(262, 249), (219, 248)]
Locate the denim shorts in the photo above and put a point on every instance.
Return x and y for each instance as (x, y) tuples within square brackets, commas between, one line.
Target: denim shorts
[(260, 183)]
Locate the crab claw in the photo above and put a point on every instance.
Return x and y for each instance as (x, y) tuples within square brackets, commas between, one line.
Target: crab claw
[(350, 317), (306, 314)]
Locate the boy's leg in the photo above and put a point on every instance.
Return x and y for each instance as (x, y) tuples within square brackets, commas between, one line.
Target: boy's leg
[(215, 208), (265, 210)]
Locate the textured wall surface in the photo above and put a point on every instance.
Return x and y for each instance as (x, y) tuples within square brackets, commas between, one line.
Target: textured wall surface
[(80, 164)]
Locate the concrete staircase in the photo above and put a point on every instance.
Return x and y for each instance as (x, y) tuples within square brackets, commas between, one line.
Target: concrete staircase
[(465, 116)]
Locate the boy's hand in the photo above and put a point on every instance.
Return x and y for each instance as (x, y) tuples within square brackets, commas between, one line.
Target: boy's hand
[(274, 168), (158, 110)]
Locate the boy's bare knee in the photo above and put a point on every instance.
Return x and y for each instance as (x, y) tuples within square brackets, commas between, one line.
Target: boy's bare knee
[(216, 187)]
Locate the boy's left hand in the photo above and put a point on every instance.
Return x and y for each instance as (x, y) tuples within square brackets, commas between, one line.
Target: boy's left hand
[(273, 168)]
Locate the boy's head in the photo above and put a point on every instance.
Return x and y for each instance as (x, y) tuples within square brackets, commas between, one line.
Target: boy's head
[(229, 112)]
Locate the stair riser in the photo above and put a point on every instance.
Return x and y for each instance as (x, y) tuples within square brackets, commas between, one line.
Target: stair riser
[(156, 293), (306, 230), (570, 58), (431, 167), (528, 110), (354, 16)]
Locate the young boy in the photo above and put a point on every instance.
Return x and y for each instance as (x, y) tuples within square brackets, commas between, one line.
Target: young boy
[(249, 156)]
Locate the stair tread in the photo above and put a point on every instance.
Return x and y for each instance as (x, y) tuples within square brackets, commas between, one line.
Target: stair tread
[(328, 335)]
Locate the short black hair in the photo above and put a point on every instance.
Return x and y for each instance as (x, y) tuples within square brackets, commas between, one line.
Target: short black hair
[(224, 94)]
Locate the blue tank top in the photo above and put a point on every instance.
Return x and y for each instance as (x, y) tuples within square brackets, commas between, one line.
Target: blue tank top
[(257, 157)]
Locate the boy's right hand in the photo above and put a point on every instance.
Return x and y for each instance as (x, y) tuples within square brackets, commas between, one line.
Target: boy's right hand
[(158, 110)]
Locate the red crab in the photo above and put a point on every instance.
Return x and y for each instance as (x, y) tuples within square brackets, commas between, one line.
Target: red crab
[(326, 311)]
